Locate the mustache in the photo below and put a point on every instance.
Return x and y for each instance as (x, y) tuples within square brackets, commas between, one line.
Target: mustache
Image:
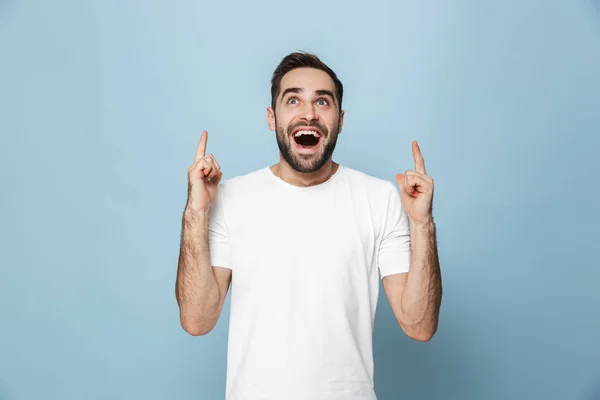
[(314, 124)]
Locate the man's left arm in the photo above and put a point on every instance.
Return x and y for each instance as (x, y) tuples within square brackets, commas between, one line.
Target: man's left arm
[(415, 297)]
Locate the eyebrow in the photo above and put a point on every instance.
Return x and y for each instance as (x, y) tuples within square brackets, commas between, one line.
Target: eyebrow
[(320, 92), (324, 92)]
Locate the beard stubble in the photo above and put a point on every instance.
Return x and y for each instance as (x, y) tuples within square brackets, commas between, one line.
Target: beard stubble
[(306, 163)]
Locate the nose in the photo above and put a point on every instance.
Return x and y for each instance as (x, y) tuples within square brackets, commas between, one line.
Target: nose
[(308, 113)]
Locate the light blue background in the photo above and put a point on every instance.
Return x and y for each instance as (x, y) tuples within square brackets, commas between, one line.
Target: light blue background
[(101, 108)]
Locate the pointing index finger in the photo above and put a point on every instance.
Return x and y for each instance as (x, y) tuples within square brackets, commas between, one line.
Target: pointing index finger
[(201, 150), (419, 161)]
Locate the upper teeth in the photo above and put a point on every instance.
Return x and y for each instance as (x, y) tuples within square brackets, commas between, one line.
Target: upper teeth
[(306, 133)]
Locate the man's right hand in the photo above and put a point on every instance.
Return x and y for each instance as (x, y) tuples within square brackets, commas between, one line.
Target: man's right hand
[(204, 176)]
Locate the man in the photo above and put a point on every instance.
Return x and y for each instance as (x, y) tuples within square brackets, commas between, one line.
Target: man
[(304, 243)]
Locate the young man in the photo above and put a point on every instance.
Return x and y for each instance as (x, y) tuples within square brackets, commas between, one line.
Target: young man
[(304, 243)]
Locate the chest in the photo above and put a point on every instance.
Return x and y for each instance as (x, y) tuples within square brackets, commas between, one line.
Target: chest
[(302, 238)]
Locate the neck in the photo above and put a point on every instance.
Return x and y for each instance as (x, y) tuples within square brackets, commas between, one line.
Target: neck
[(286, 173)]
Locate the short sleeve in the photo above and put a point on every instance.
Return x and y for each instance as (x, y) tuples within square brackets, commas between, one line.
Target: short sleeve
[(218, 243), (394, 247)]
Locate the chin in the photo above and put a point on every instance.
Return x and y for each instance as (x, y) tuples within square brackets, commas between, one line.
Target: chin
[(305, 163)]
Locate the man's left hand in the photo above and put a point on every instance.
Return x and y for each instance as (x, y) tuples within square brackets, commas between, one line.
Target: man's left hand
[(416, 189)]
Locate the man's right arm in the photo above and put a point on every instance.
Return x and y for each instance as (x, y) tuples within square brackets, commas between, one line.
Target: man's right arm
[(200, 288)]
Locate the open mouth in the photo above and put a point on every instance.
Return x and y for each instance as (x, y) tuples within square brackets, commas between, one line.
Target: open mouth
[(307, 139)]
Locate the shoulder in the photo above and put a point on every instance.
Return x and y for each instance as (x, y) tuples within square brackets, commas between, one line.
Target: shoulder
[(372, 184), (249, 177), (241, 183)]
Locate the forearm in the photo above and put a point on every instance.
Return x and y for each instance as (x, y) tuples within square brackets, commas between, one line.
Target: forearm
[(196, 288), (422, 294)]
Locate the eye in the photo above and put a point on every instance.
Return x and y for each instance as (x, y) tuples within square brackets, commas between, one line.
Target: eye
[(323, 102), (292, 100)]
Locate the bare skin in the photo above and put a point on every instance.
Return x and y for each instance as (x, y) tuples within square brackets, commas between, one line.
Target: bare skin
[(200, 288), (415, 297), (306, 98)]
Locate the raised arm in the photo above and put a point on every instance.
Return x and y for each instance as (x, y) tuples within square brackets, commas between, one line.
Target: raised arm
[(200, 288), (415, 297)]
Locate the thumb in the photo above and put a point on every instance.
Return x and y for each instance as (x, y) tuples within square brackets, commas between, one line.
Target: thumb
[(400, 181), (217, 178), (405, 192)]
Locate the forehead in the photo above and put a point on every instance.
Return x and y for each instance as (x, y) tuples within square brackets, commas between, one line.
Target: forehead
[(309, 79)]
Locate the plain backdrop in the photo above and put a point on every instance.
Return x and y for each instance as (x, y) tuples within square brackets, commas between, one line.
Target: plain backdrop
[(102, 104)]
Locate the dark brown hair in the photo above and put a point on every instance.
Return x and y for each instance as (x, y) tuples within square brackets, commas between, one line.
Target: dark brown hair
[(300, 60)]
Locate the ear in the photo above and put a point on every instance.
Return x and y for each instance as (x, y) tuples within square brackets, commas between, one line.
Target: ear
[(341, 121), (271, 118)]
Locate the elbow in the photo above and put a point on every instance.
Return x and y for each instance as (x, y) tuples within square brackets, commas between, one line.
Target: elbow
[(196, 328), (422, 337), (419, 333)]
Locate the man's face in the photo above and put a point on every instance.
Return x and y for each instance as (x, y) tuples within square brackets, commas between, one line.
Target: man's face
[(306, 119)]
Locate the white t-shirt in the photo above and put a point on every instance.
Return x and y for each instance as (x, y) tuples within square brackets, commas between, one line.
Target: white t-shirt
[(306, 264)]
